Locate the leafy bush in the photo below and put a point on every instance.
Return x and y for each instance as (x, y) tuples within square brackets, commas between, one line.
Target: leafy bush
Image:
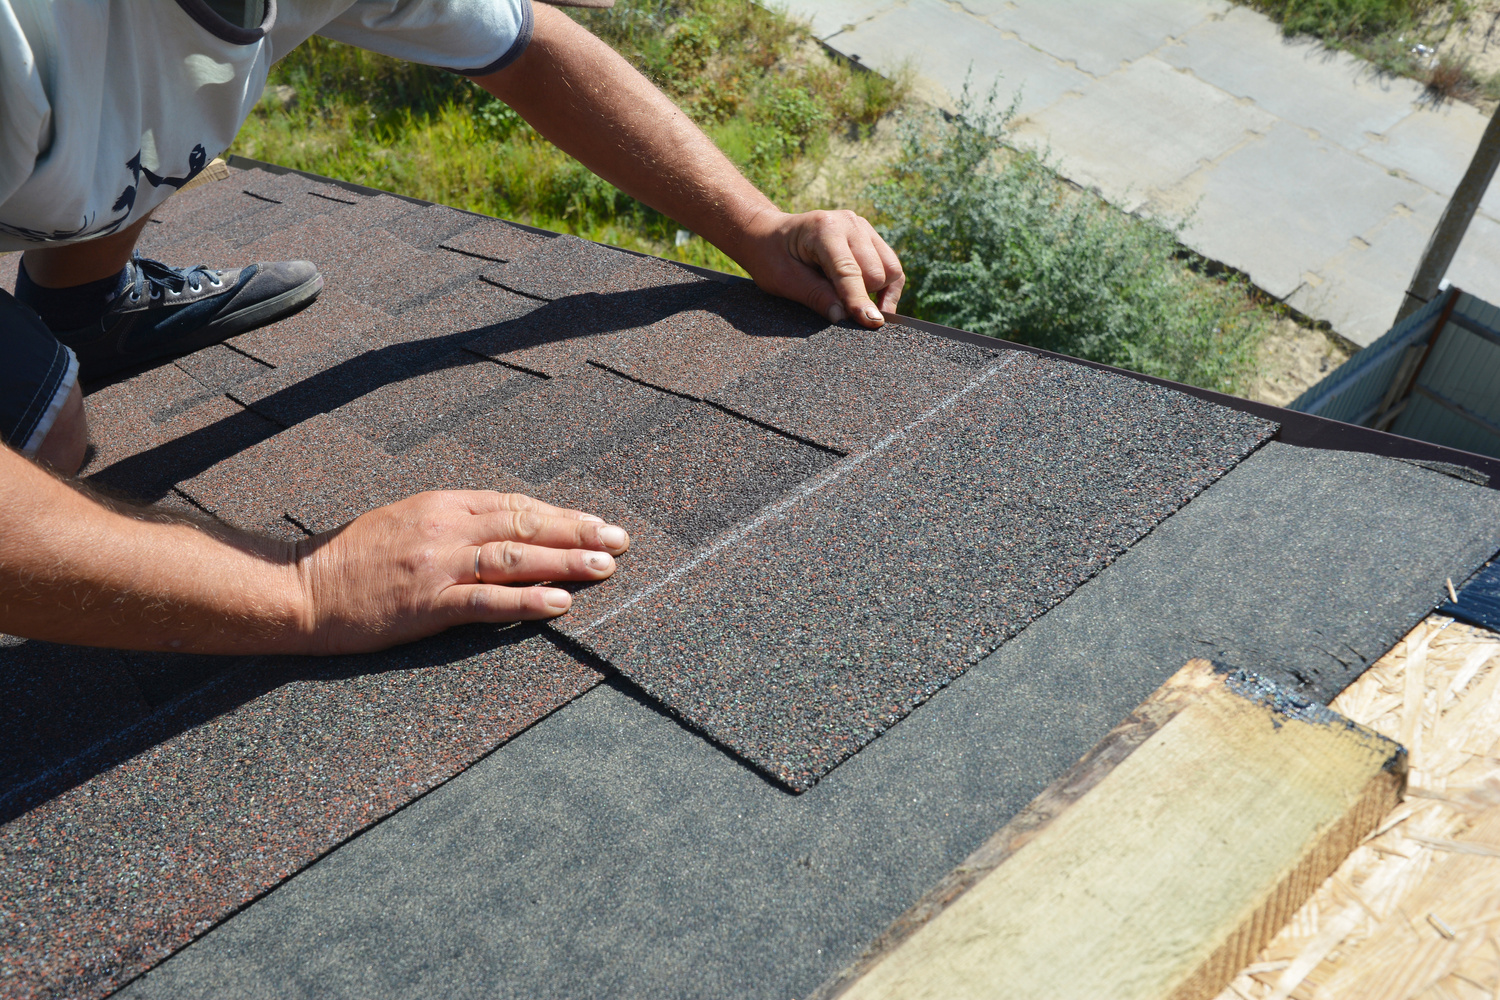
[(996, 244)]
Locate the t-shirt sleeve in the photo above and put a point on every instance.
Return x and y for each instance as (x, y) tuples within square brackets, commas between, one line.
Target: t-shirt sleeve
[(472, 37)]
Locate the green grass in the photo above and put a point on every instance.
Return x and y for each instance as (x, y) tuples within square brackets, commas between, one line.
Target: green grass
[(1386, 33), (734, 66), (994, 243)]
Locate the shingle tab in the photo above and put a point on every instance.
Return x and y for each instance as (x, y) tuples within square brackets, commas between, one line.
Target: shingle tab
[(698, 470), (162, 427), (432, 398), (560, 337), (846, 388), (564, 422), (426, 228), (560, 267), (495, 240), (802, 636)]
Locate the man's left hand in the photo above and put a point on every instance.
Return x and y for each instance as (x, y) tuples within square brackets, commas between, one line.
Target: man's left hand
[(832, 262)]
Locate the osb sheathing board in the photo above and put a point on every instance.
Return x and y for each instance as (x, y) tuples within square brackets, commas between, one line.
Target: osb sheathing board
[(1414, 913)]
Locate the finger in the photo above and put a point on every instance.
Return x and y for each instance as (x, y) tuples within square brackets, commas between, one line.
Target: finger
[(537, 528), (851, 263), (517, 562), (489, 501), (477, 602), (895, 277)]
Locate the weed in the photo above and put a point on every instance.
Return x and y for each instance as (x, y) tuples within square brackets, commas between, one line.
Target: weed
[(997, 245)]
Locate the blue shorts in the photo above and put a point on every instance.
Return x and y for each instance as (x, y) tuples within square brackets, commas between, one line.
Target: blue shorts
[(36, 375)]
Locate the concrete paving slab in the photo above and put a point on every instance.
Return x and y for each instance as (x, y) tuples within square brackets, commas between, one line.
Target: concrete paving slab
[(1141, 130), (829, 17), (945, 45), (1433, 146), (1097, 36), (1333, 93), (1360, 289), (1287, 203)]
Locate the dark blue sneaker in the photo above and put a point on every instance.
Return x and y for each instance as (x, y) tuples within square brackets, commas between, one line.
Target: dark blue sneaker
[(162, 311)]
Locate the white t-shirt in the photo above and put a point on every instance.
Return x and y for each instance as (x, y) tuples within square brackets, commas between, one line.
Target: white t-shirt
[(108, 106)]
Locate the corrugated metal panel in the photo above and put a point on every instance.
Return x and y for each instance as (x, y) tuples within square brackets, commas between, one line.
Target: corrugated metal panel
[(1352, 392), (1456, 399)]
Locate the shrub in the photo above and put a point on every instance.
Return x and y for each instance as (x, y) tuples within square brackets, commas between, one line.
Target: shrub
[(1343, 19), (996, 244)]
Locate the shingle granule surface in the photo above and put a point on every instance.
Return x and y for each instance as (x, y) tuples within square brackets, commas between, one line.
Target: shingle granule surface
[(150, 838), (803, 636)]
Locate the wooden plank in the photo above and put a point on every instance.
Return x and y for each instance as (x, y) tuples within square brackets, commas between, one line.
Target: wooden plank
[(1415, 910), (1158, 865)]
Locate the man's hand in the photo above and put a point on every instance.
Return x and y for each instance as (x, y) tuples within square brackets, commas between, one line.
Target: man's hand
[(835, 263), (79, 570), (441, 559), (581, 95)]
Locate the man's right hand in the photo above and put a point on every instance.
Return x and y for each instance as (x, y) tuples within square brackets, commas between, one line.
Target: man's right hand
[(75, 569), (440, 559)]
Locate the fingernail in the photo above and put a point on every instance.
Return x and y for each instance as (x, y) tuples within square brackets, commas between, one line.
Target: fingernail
[(873, 315), (836, 313), (559, 600), (613, 536), (589, 517), (598, 560)]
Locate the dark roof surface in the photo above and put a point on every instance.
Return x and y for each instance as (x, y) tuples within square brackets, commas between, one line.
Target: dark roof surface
[(828, 526)]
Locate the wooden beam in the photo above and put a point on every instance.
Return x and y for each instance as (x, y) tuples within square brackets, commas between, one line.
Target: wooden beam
[(1158, 865)]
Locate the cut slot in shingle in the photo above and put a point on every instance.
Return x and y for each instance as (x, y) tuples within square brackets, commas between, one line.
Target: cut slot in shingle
[(218, 367), (467, 310), (698, 470), (317, 462), (898, 570), (369, 266), (846, 388), (560, 267)]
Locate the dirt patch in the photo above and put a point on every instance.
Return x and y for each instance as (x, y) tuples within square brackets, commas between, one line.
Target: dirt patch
[(1292, 359)]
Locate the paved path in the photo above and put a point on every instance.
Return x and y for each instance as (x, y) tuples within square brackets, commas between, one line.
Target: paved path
[(1302, 167)]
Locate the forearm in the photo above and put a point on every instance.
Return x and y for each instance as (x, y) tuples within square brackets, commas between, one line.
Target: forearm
[(587, 100), (74, 570)]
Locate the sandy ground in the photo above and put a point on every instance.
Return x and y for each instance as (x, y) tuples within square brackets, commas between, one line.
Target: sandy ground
[(1293, 358)]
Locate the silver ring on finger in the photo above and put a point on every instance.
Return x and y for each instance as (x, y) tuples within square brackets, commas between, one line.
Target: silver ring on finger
[(477, 549)]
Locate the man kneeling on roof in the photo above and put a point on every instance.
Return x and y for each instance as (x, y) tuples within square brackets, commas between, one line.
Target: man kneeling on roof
[(106, 109)]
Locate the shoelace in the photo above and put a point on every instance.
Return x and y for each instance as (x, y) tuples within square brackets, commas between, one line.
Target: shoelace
[(163, 279)]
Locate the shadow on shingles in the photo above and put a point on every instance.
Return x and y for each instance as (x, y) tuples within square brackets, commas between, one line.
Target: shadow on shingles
[(56, 733), (150, 475)]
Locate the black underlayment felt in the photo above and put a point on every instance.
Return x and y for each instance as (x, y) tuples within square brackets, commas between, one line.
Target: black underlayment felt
[(801, 636)]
